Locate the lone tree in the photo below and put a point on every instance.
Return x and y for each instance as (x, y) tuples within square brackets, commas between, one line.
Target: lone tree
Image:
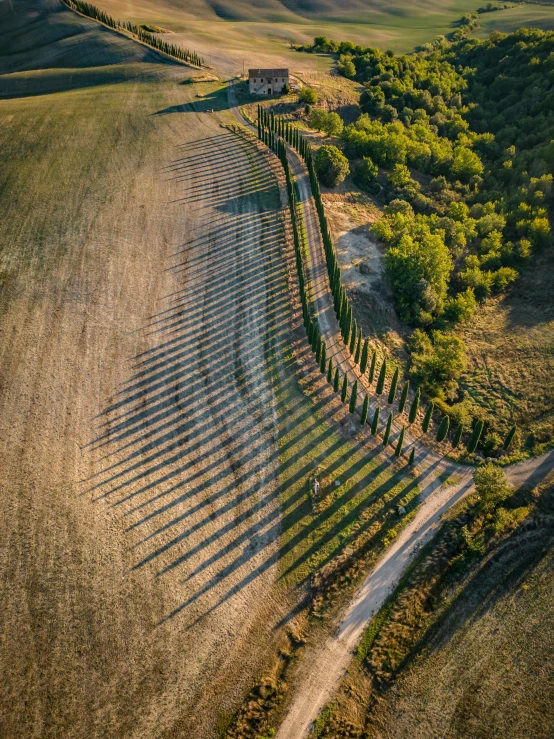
[(381, 379), (344, 391), (400, 442), (331, 166), (307, 95), (393, 386), (353, 397), (388, 428), (365, 409), (375, 422)]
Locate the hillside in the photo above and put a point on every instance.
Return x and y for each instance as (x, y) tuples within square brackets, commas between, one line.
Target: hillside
[(466, 648)]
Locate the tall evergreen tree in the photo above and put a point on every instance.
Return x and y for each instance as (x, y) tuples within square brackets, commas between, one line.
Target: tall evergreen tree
[(510, 437), (404, 396), (457, 436), (318, 346), (353, 336), (427, 417), (393, 386), (330, 372), (365, 357), (381, 378), (323, 360), (358, 347), (353, 397), (372, 367), (414, 407), (336, 381), (365, 409), (412, 457), (344, 391), (443, 428), (400, 442), (375, 422), (388, 428), (475, 436)]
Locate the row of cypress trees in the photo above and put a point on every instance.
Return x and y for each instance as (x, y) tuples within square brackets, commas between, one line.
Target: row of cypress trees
[(148, 38), (274, 131)]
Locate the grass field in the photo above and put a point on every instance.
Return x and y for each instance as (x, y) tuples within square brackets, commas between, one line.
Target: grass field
[(231, 34)]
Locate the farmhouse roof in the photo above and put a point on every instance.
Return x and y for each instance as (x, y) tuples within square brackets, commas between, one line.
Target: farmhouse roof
[(268, 73)]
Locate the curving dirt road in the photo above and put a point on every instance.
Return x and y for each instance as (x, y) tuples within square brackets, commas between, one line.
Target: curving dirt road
[(322, 668)]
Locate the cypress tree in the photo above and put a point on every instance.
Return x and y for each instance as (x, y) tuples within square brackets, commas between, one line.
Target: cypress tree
[(443, 428), (310, 331), (414, 407), (358, 347), (412, 457), (365, 357), (372, 367), (475, 436), (330, 372), (403, 397), (375, 422), (510, 437), (344, 391), (336, 381), (381, 378), (457, 436), (388, 428), (393, 386), (347, 324), (400, 442), (427, 417), (323, 360), (353, 397), (353, 337), (365, 409)]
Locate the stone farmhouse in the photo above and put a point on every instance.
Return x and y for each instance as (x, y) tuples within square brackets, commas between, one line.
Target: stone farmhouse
[(268, 81)]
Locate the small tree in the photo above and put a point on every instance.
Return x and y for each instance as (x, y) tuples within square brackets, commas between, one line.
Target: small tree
[(371, 375), (443, 428), (353, 397), (365, 175), (375, 422), (510, 437), (331, 166), (388, 428), (365, 357), (475, 436), (333, 125), (427, 417), (381, 378), (365, 409), (336, 381), (414, 407), (330, 371), (307, 95), (400, 442), (457, 436), (412, 457), (393, 386), (344, 391), (404, 397)]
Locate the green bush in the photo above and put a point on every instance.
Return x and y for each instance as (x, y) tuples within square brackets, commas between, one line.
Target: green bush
[(307, 95), (365, 176), (331, 166)]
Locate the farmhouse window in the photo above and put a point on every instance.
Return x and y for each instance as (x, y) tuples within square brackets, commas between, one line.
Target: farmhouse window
[(262, 79)]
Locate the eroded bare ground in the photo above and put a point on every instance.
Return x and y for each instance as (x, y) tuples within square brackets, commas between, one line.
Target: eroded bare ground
[(140, 512)]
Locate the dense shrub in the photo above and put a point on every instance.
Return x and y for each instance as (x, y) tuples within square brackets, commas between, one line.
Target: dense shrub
[(331, 166)]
